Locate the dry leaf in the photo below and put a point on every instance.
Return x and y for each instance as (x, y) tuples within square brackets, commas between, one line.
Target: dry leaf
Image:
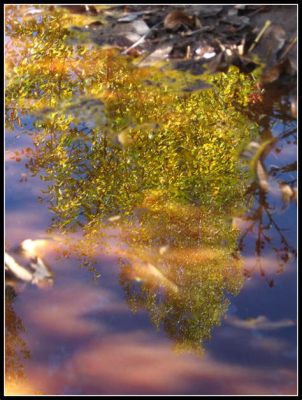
[(176, 19)]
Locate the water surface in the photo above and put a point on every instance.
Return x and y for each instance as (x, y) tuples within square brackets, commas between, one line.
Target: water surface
[(111, 324)]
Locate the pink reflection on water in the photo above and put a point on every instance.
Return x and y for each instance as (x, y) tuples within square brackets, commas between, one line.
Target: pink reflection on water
[(61, 310), (135, 363), (110, 362), (103, 360)]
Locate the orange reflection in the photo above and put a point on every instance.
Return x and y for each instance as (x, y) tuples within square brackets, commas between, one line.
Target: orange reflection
[(20, 389)]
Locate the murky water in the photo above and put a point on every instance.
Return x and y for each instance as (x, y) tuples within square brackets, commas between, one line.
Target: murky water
[(158, 305)]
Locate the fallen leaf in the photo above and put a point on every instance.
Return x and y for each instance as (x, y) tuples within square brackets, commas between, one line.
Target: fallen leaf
[(177, 18)]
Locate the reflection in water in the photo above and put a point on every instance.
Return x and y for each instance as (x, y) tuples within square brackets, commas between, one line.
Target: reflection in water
[(198, 271), (268, 234), (16, 349), (260, 322), (33, 268), (261, 224), (147, 173), (160, 165)]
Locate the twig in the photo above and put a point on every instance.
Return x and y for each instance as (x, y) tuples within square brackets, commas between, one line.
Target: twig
[(203, 29), (140, 40), (260, 34), (257, 11), (222, 47), (188, 52), (290, 45)]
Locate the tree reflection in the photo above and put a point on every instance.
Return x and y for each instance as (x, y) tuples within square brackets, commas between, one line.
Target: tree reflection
[(158, 165), (262, 221), (181, 270), (16, 350)]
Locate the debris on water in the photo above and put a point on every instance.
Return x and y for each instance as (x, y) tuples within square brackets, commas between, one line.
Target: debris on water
[(288, 193), (32, 269), (18, 271), (114, 218), (163, 249), (262, 177), (23, 177), (30, 247), (261, 322)]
